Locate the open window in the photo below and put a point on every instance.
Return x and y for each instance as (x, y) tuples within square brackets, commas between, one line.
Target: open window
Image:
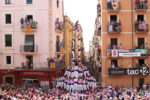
[(114, 43), (141, 43), (113, 18), (140, 17), (115, 63)]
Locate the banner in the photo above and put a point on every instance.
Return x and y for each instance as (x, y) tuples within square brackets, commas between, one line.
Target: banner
[(129, 71), (114, 5), (114, 53), (143, 51), (129, 54), (109, 52), (27, 26)]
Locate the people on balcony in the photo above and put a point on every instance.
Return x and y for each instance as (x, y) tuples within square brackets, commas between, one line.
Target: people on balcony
[(114, 26), (140, 26), (58, 25), (98, 8), (142, 46), (27, 22), (141, 4)]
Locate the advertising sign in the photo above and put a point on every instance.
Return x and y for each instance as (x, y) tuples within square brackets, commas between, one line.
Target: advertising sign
[(129, 71), (130, 54)]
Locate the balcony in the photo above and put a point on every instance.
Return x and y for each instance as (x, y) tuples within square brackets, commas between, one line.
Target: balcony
[(114, 27), (28, 26), (29, 49), (113, 6), (141, 6), (59, 26), (141, 28), (118, 53), (99, 9), (142, 70), (42, 65)]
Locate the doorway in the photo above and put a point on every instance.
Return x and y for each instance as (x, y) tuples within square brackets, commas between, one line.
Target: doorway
[(114, 42), (141, 43), (140, 17), (141, 82), (141, 62), (29, 17), (30, 81), (113, 18), (9, 80), (29, 61)]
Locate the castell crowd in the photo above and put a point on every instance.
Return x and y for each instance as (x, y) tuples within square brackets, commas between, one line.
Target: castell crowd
[(76, 84)]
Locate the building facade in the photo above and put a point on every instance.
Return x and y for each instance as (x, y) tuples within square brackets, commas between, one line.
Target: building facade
[(68, 40), (31, 31), (74, 46), (125, 43)]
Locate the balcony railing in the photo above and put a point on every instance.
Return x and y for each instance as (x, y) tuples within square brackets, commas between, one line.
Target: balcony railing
[(41, 65), (28, 26), (59, 26), (128, 53), (141, 28), (99, 9), (113, 6), (28, 48), (114, 27), (141, 6)]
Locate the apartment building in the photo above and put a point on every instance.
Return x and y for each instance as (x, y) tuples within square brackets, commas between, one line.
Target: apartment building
[(31, 31), (125, 42)]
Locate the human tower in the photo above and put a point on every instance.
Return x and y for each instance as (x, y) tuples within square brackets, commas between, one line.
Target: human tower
[(76, 77)]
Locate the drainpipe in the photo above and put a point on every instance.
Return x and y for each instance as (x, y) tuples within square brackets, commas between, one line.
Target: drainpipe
[(132, 39)]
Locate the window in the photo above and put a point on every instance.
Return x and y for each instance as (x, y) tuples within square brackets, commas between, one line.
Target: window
[(114, 62), (57, 3), (8, 59), (141, 62), (113, 18), (57, 44), (29, 43), (8, 19), (29, 17), (7, 2), (141, 43), (114, 43), (8, 40), (140, 17), (28, 1)]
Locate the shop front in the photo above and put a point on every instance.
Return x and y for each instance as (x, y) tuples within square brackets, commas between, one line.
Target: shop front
[(38, 77)]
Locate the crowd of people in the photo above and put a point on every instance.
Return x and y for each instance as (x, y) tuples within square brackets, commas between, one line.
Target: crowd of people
[(140, 26), (114, 26), (141, 4), (30, 92), (28, 21)]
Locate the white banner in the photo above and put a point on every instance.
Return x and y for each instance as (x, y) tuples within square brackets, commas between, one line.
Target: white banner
[(114, 53), (130, 54)]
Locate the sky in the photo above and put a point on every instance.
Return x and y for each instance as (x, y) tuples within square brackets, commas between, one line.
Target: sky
[(85, 12)]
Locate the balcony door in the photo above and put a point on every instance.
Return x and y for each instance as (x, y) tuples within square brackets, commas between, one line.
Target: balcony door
[(140, 17), (114, 42), (141, 43), (113, 18), (29, 43), (29, 61), (29, 17), (141, 62)]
